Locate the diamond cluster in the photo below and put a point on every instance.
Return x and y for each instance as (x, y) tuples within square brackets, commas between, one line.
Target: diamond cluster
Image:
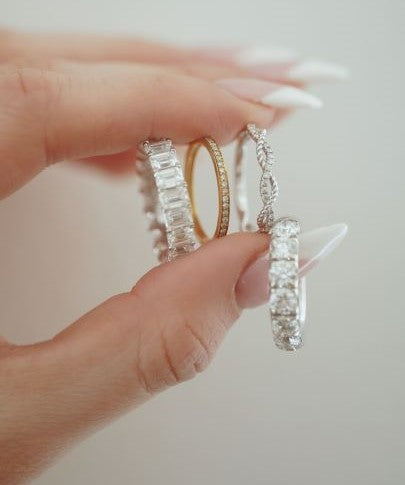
[(283, 275), (167, 204)]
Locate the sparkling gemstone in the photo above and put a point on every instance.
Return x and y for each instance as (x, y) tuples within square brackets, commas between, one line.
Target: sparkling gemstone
[(182, 249), (283, 273), (169, 177), (180, 237), (283, 301), (174, 198), (288, 343), (284, 326), (286, 228), (178, 217), (284, 248), (158, 147), (160, 162)]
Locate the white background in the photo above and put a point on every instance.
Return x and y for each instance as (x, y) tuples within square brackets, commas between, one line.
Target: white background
[(332, 413)]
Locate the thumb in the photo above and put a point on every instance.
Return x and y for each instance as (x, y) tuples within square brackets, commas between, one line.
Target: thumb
[(134, 345)]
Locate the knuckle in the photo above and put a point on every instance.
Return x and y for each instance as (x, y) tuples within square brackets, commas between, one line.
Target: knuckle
[(179, 355), (28, 79), (185, 352), (30, 88)]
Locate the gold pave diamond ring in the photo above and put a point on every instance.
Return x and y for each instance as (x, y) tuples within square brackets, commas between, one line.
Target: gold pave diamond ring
[(222, 185)]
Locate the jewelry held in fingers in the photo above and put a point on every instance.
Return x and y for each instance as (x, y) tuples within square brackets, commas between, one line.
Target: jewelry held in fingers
[(167, 204)]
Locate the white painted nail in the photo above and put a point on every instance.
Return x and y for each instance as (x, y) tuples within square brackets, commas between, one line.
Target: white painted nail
[(256, 56), (252, 288), (290, 97), (270, 94), (317, 244), (317, 71)]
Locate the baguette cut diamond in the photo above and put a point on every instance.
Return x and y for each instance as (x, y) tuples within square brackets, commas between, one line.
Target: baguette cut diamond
[(159, 147), (167, 203), (180, 237), (178, 217), (174, 198), (168, 177), (160, 162)]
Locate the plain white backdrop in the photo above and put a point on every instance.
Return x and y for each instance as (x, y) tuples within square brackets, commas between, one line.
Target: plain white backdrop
[(332, 413)]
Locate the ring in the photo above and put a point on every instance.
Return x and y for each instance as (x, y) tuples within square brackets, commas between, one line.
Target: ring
[(167, 204), (287, 296), (287, 301), (222, 185), (267, 187)]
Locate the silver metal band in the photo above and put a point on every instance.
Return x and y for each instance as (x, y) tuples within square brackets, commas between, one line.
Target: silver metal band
[(268, 186), (167, 204), (287, 296)]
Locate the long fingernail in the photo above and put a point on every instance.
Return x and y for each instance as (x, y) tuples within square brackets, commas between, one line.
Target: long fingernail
[(270, 94), (252, 288), (253, 56), (317, 71), (317, 244), (249, 56)]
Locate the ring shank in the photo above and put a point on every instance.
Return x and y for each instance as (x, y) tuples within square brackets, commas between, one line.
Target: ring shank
[(222, 186)]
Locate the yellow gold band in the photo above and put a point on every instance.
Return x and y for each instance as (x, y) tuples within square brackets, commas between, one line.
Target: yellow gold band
[(222, 185)]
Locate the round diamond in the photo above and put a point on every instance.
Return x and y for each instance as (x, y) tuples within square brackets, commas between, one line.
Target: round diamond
[(284, 326), (288, 343), (283, 273), (286, 228), (284, 248), (283, 301)]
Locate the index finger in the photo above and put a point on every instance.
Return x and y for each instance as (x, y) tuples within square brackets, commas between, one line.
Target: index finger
[(71, 110)]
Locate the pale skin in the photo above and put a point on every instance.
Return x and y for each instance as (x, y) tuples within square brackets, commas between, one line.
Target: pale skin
[(94, 99)]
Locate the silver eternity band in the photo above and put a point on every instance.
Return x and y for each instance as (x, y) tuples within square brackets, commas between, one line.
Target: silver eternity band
[(167, 204), (287, 290)]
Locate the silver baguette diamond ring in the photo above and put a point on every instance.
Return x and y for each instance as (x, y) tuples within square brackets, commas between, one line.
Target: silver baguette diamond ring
[(287, 295), (166, 200)]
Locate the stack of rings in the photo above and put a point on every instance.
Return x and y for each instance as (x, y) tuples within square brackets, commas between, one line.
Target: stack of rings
[(171, 209), (287, 296)]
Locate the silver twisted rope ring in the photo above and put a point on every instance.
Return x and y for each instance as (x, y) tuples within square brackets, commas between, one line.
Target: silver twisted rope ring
[(287, 295), (268, 187)]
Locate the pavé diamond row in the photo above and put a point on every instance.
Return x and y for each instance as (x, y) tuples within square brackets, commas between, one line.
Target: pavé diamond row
[(267, 187), (222, 184), (167, 204)]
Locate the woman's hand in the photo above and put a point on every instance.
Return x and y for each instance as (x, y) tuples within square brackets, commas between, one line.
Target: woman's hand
[(168, 327)]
